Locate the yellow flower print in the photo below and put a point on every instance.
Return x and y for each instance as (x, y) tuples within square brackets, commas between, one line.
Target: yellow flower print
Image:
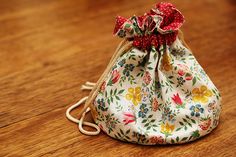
[(166, 62), (201, 94), (134, 94), (167, 129)]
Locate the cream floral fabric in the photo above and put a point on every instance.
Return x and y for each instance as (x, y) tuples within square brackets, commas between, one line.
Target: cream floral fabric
[(173, 103)]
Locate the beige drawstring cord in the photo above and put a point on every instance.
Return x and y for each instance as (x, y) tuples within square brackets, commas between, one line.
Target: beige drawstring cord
[(88, 86), (81, 121), (94, 87)]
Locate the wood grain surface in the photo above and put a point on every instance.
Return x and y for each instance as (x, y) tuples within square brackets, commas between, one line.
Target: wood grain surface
[(48, 49)]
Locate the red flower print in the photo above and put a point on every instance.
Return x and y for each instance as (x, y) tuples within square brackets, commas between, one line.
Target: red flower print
[(115, 76), (185, 72), (181, 72), (155, 104), (205, 123), (103, 86), (147, 78), (177, 99), (129, 118), (188, 77), (157, 140)]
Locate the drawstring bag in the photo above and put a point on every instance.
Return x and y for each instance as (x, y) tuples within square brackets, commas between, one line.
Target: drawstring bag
[(153, 91)]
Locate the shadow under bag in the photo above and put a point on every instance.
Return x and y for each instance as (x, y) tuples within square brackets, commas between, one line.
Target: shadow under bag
[(153, 91)]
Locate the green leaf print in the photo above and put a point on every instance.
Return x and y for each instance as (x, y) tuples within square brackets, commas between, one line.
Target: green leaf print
[(114, 95), (194, 80), (185, 123)]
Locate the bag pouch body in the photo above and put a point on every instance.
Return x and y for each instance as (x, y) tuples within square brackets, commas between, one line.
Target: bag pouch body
[(159, 97)]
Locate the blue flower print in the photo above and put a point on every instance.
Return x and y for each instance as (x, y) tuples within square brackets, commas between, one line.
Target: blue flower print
[(196, 110), (143, 111), (128, 69)]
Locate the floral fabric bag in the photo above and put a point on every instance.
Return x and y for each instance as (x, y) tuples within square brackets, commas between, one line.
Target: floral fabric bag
[(153, 90)]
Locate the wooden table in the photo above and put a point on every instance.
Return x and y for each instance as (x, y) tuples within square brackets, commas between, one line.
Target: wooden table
[(48, 49)]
